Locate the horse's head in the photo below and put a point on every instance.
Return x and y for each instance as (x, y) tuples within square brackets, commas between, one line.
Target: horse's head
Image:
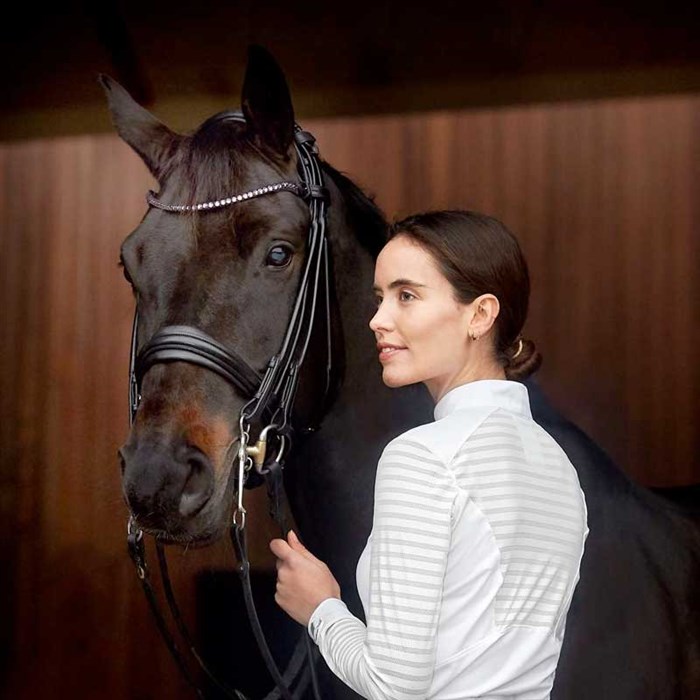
[(231, 272)]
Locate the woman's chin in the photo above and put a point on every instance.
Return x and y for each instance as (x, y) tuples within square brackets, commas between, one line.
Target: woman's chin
[(394, 380)]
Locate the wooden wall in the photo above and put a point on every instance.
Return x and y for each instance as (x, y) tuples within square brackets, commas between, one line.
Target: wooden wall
[(603, 196), (604, 199)]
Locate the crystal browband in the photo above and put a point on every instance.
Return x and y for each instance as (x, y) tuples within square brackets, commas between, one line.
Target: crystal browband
[(294, 187)]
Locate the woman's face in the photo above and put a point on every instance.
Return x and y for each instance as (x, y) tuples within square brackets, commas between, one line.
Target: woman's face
[(422, 331)]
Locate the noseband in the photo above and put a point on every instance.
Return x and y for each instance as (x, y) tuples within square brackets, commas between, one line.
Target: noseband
[(270, 395)]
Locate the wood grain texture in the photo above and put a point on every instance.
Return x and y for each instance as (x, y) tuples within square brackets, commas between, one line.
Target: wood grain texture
[(603, 197)]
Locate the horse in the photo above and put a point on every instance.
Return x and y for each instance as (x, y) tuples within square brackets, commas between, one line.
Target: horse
[(633, 630)]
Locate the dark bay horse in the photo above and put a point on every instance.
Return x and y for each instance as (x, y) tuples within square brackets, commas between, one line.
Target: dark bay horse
[(633, 632)]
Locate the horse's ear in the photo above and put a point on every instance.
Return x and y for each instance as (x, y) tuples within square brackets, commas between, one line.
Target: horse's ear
[(148, 136), (266, 103)]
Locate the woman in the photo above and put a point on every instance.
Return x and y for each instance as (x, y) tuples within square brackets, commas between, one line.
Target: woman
[(479, 520)]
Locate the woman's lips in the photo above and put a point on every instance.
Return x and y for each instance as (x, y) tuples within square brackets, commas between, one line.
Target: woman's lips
[(388, 352)]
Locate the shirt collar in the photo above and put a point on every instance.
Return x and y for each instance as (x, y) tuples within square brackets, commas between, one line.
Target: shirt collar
[(503, 393)]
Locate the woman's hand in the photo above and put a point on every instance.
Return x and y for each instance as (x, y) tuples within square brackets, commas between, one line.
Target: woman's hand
[(303, 581)]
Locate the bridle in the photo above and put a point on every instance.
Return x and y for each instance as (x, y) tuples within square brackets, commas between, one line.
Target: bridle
[(271, 397)]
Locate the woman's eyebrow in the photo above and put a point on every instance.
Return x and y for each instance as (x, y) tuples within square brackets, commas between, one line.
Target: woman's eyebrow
[(401, 282)]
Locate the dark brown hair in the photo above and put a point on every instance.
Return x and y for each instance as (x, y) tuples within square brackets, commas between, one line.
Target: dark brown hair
[(479, 255)]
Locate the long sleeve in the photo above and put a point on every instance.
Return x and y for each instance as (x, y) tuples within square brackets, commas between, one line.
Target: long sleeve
[(393, 657)]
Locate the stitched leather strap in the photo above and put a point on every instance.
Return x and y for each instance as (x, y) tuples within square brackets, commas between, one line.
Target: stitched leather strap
[(186, 344)]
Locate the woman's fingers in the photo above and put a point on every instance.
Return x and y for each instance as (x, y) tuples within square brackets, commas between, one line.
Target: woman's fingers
[(294, 541), (296, 545), (280, 549)]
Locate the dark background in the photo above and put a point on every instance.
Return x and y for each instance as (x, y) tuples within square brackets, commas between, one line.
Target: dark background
[(187, 58)]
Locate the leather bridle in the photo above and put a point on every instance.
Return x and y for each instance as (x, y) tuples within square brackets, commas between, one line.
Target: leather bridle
[(270, 397)]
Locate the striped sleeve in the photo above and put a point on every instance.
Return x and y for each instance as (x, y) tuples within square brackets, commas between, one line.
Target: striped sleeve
[(393, 657)]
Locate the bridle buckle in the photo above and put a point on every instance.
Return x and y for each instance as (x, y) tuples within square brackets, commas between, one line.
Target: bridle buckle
[(311, 191)]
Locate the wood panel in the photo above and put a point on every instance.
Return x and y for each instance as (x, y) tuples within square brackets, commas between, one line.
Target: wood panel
[(602, 196)]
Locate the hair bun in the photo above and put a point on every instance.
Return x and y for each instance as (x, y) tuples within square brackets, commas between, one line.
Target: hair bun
[(522, 359)]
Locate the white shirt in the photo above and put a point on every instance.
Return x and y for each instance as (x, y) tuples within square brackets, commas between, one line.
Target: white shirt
[(478, 533)]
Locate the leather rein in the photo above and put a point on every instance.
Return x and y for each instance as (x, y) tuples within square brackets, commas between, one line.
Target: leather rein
[(271, 401)]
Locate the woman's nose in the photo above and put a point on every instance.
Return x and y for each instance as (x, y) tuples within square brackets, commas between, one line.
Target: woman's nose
[(380, 321)]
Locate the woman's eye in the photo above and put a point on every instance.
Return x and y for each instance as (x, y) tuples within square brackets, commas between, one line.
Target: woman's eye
[(406, 296), (279, 256)]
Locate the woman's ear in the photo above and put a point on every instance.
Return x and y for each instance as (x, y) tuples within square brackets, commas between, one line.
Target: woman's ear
[(485, 310)]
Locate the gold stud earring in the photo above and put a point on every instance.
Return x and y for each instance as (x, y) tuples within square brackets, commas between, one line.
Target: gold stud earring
[(474, 336)]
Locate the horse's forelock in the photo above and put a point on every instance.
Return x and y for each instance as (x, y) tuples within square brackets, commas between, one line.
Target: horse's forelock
[(214, 159)]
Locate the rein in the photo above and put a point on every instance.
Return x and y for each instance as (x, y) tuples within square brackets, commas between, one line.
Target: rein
[(271, 401)]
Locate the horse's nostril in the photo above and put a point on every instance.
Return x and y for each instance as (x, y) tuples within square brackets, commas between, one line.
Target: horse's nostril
[(166, 484), (199, 484)]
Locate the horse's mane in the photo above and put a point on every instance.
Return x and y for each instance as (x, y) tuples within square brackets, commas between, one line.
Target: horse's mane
[(364, 216)]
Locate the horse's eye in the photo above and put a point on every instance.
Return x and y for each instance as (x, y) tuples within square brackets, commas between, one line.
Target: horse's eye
[(279, 256)]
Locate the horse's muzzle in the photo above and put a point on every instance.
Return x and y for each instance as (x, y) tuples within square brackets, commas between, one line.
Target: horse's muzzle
[(166, 485)]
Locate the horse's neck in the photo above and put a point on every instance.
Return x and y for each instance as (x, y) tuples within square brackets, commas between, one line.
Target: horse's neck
[(333, 472), (363, 390)]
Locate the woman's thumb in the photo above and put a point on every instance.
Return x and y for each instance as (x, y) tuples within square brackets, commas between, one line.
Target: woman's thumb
[(295, 543)]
